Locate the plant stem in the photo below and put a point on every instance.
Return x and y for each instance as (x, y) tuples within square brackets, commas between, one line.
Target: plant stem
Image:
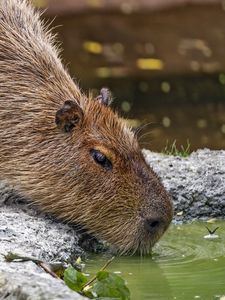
[(13, 257), (47, 269), (102, 269)]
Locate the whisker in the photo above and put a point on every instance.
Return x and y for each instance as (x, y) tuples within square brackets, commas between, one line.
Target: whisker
[(144, 135), (141, 127)]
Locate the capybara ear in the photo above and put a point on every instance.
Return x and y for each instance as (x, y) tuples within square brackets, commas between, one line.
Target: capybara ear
[(69, 116), (105, 96)]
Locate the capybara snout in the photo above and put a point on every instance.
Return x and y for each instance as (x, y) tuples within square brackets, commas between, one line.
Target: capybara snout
[(121, 197)]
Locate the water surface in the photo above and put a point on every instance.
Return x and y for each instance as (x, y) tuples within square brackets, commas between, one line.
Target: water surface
[(184, 266)]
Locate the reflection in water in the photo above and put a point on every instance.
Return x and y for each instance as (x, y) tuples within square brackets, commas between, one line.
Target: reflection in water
[(184, 266), (157, 69), (193, 109)]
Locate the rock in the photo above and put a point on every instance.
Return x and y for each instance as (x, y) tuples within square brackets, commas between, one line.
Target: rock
[(28, 232), (34, 286), (25, 230), (196, 183)]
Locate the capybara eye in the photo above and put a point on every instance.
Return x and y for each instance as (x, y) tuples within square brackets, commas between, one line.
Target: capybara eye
[(101, 159)]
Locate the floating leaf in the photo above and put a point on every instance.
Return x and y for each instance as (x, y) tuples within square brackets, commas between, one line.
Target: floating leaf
[(109, 285), (93, 47), (74, 279), (149, 64)]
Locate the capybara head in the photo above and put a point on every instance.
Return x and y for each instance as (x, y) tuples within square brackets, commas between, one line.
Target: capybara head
[(71, 155), (114, 193)]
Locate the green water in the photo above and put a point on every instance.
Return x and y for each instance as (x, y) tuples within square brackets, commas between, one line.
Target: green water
[(184, 266)]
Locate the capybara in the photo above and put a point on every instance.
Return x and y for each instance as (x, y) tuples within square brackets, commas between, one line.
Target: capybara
[(67, 152)]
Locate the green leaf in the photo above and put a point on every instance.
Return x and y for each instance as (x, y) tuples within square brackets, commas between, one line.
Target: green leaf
[(74, 279), (110, 285)]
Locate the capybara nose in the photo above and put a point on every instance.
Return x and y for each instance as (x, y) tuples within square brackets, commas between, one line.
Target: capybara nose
[(152, 225)]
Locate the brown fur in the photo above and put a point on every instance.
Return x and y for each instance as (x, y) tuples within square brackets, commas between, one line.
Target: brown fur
[(54, 168)]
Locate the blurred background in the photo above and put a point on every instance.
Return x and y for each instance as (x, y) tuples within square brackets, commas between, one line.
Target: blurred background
[(164, 61)]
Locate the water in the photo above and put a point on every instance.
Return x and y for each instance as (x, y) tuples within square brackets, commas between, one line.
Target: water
[(184, 266), (179, 102)]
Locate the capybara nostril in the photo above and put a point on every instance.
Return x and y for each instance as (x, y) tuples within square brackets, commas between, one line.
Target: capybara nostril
[(152, 225)]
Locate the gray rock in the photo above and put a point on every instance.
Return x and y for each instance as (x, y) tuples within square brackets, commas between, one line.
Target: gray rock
[(25, 230), (29, 286), (196, 183), (30, 233)]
